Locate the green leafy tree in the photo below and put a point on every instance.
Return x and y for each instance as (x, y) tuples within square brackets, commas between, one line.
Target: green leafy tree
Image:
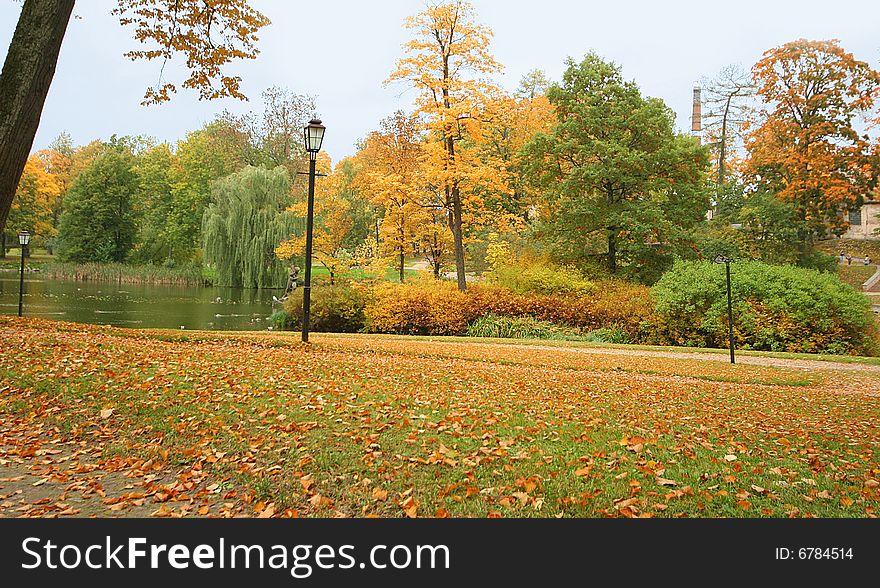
[(613, 171), (98, 223), (758, 225), (203, 157), (156, 236), (244, 223)]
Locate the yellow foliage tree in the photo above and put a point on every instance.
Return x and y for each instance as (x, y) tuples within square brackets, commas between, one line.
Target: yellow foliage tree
[(333, 222), (435, 240), (36, 197), (391, 178), (59, 166), (448, 61), (513, 121)]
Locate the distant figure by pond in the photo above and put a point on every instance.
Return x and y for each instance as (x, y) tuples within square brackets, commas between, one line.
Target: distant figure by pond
[(291, 284)]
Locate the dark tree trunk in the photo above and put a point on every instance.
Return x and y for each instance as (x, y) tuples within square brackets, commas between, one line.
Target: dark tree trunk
[(402, 258), (722, 152), (24, 84), (453, 199), (435, 259), (457, 238), (455, 193), (612, 252), (2, 244)]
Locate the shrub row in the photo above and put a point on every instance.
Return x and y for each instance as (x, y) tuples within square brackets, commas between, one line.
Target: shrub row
[(777, 308), (438, 308), (188, 275)]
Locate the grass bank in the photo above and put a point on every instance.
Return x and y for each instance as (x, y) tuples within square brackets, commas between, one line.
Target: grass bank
[(856, 275), (38, 260), (189, 275)]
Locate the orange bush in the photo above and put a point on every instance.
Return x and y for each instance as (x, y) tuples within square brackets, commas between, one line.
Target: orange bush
[(438, 308), (418, 310)]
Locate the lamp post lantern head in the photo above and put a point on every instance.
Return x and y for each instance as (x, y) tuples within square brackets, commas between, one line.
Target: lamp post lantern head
[(722, 259), (24, 238), (314, 136)]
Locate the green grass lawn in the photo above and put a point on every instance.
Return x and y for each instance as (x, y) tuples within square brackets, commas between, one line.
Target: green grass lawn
[(223, 424), (38, 259), (358, 274)]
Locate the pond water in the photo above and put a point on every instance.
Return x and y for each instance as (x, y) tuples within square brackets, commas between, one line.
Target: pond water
[(138, 305)]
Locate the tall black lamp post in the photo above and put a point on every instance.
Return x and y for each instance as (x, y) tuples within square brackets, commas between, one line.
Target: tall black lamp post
[(314, 136), (23, 239), (726, 261)]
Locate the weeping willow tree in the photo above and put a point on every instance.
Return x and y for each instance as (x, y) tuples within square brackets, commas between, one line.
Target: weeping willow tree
[(243, 224)]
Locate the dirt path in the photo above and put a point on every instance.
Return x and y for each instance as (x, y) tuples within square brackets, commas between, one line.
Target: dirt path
[(804, 364), (45, 477)]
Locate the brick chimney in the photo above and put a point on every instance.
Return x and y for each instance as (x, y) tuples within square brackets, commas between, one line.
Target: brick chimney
[(697, 117)]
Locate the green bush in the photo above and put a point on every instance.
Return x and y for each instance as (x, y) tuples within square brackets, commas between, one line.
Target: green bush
[(334, 309), (541, 277), (506, 327), (817, 260), (776, 308)]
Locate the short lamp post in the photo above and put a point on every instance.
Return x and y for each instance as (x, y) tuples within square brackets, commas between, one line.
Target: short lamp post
[(726, 261), (314, 136), (23, 239)]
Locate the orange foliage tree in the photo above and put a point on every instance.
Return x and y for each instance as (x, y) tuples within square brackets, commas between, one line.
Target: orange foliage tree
[(209, 33), (807, 149)]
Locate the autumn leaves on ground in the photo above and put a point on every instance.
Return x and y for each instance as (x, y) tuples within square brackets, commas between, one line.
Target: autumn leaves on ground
[(96, 421)]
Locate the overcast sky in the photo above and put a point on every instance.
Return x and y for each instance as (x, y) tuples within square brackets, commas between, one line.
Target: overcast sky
[(341, 51)]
